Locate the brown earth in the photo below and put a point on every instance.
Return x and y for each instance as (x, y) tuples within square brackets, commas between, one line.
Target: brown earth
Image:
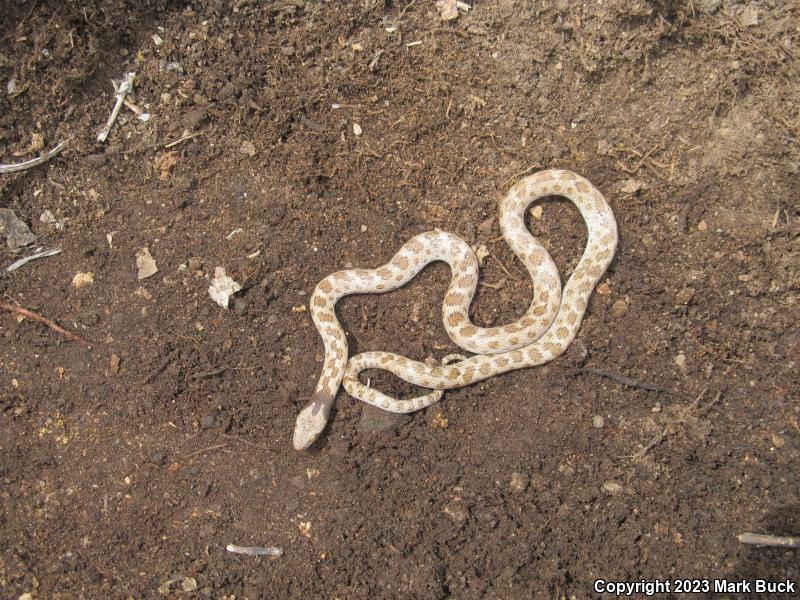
[(129, 464)]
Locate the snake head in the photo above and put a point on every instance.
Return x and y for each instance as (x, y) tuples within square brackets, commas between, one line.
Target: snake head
[(312, 420)]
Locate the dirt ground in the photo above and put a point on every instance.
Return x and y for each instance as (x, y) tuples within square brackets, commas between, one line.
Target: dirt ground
[(130, 463)]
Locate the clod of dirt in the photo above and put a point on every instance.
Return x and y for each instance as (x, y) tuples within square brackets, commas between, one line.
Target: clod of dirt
[(519, 482), (248, 148), (684, 296), (145, 264), (612, 487), (619, 308), (456, 511), (374, 420), (16, 231)]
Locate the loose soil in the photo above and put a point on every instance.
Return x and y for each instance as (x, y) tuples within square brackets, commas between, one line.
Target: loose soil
[(128, 465)]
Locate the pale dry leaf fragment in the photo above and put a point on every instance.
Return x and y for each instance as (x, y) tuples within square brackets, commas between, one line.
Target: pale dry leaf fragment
[(631, 186), (481, 252), (537, 212), (448, 9), (145, 264), (82, 279), (222, 287), (165, 163)]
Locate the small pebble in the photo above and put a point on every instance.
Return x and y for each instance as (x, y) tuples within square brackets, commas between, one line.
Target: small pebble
[(778, 441), (656, 407), (206, 422), (612, 487), (456, 512), (680, 360), (684, 296), (598, 421)]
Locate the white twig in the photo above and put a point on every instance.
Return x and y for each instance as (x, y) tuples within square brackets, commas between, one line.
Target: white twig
[(22, 261), (34, 161), (760, 539), (123, 89), (255, 550)]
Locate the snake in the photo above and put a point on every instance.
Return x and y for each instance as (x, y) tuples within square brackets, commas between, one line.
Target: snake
[(543, 333)]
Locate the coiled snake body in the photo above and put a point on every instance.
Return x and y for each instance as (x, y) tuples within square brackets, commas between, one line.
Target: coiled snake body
[(539, 336)]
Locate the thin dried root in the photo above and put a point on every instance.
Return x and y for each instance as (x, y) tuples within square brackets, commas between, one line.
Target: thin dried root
[(73, 337)]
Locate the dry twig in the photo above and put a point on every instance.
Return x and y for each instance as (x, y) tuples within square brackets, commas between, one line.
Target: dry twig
[(73, 337), (34, 161), (761, 539), (621, 379)]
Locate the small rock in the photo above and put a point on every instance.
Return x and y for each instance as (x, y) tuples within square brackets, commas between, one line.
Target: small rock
[(519, 482), (189, 584), (603, 289), (157, 39), (684, 296), (456, 512), (206, 422), (619, 308), (374, 420), (656, 407), (612, 487), (749, 16), (702, 226), (778, 441), (598, 421), (537, 211), (145, 264), (709, 6), (114, 364), (248, 148), (603, 147), (17, 233), (680, 360), (357, 129)]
